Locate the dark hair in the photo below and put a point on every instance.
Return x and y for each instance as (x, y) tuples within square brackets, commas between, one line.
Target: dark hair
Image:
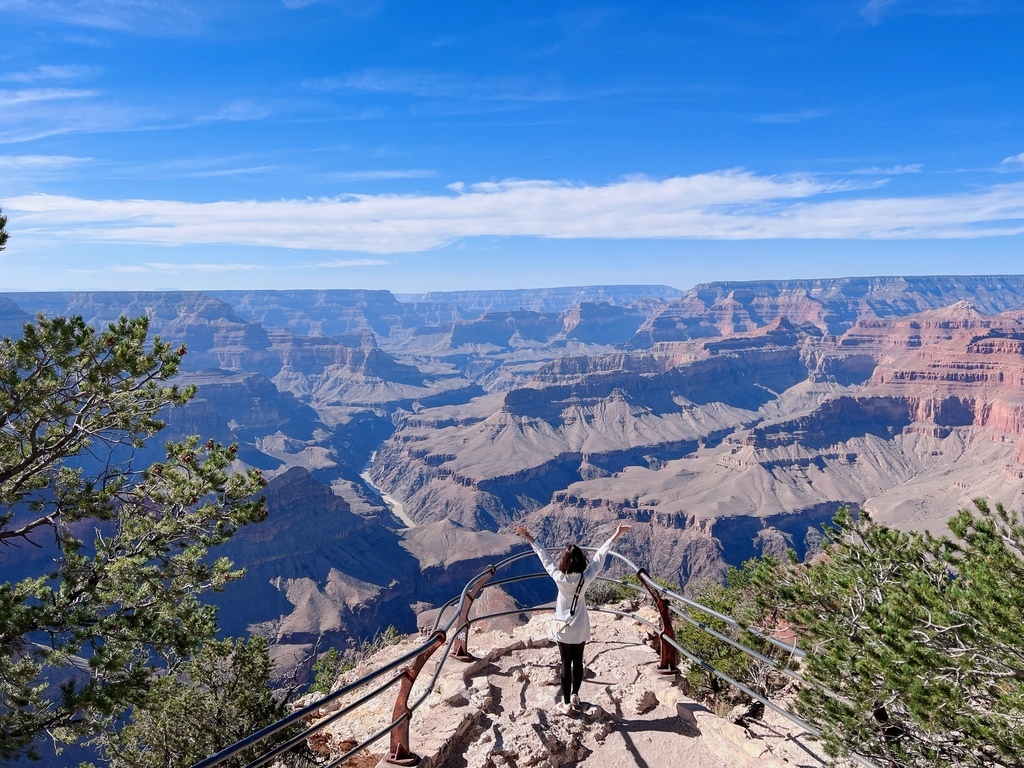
[(573, 560)]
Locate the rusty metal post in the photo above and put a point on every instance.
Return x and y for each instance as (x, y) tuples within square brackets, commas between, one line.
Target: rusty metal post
[(460, 648), (400, 753), (669, 664)]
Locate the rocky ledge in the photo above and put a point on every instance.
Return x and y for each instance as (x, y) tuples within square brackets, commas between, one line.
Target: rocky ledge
[(500, 710)]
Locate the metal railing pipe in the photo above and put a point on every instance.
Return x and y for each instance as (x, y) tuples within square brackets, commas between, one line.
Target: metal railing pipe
[(780, 666), (464, 601), (788, 647), (718, 673), (309, 709), (485, 574), (289, 745), (364, 744)]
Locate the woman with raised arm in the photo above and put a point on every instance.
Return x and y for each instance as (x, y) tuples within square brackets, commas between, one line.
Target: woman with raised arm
[(571, 626)]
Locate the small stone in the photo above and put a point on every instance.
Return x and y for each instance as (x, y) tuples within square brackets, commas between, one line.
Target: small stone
[(644, 702), (737, 715), (669, 696), (453, 693), (687, 712)]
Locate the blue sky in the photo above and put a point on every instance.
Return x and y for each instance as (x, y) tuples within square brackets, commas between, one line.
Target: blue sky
[(156, 144)]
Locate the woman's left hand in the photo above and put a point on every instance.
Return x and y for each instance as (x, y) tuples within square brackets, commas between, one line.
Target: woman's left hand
[(520, 530)]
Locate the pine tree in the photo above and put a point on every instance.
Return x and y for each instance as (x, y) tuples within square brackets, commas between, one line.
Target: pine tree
[(915, 640), (217, 698), (121, 599)]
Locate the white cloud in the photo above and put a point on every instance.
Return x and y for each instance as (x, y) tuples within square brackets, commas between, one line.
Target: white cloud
[(435, 85), (39, 162), (874, 10), (382, 175), (357, 8), (1014, 162), (53, 72), (153, 17), (787, 118), (171, 267), (895, 170), (238, 110), (335, 263), (34, 95), (725, 205)]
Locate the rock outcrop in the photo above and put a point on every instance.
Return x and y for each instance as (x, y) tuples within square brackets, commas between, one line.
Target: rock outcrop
[(500, 711)]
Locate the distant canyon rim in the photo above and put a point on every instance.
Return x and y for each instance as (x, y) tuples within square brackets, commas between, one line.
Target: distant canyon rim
[(724, 422)]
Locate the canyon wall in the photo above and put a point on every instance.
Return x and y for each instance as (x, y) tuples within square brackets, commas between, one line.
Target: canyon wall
[(724, 422)]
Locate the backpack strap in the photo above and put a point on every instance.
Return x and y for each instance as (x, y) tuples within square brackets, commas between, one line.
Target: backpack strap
[(576, 597)]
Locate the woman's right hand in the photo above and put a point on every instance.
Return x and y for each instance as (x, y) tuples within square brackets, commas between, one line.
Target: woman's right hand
[(623, 528), (520, 530)]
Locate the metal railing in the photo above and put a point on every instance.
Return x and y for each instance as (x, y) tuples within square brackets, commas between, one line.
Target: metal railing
[(668, 602)]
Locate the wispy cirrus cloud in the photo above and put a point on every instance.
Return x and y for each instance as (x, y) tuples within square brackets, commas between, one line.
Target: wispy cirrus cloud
[(357, 8), (787, 118), (168, 267), (893, 170), (39, 162), (53, 72), (14, 98), (43, 115), (725, 205), (436, 85), (146, 17), (239, 110), (44, 112), (342, 263), (873, 11), (384, 174), (33, 113)]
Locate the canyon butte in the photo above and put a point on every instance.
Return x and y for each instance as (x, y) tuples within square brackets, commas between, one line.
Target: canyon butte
[(404, 435)]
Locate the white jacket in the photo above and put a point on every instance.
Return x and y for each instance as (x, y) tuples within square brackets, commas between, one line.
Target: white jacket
[(579, 629)]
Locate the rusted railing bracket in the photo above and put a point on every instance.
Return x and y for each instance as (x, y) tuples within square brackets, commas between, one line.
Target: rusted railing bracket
[(460, 648), (669, 663), (400, 753)]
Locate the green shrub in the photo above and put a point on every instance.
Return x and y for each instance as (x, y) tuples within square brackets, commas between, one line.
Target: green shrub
[(331, 664), (918, 637)]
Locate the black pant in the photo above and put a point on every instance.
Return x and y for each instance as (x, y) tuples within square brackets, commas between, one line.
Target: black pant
[(572, 668)]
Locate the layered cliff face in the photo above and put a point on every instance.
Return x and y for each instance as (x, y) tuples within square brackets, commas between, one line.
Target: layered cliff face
[(320, 575), (540, 438), (502, 350), (730, 421), (12, 317), (721, 309), (334, 312), (475, 303), (721, 449), (215, 336)]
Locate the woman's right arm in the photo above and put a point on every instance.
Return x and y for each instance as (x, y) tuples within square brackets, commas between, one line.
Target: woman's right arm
[(602, 551), (542, 554)]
